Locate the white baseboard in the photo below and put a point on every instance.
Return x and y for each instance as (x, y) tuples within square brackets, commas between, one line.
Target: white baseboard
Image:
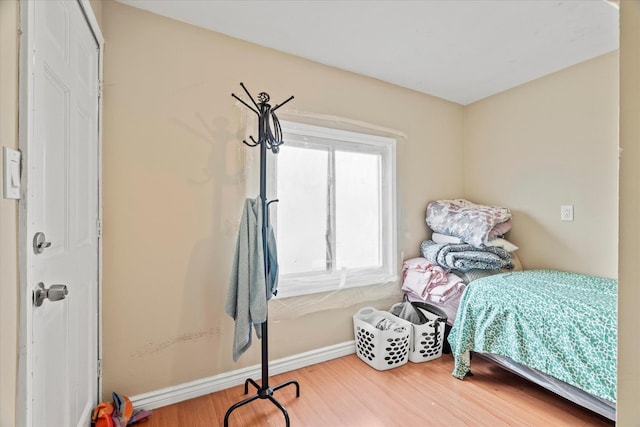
[(197, 388)]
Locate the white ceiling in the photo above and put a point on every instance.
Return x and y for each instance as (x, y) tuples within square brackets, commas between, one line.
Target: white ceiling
[(459, 50)]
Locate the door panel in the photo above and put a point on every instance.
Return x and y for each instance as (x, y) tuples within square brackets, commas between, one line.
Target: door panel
[(51, 394), (83, 230), (56, 24), (63, 179), (53, 104)]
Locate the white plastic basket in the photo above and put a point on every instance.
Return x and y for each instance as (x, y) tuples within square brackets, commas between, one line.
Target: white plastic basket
[(381, 349), (428, 338)]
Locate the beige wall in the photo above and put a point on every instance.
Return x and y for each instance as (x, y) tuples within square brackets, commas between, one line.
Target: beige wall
[(153, 284), (8, 214), (96, 7), (628, 289), (173, 189), (550, 142)]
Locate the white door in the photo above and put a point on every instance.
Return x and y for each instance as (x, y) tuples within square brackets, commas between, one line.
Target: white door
[(61, 170)]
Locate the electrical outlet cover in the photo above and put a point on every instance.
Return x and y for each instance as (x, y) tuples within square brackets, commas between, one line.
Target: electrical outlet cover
[(566, 212)]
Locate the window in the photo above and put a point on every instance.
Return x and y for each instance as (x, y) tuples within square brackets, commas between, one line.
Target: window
[(336, 216)]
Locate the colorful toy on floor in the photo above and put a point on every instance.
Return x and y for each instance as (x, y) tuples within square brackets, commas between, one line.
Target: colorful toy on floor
[(120, 413)]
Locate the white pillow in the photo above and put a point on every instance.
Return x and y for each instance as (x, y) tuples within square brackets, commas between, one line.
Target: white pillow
[(445, 238), (500, 242), (503, 243)]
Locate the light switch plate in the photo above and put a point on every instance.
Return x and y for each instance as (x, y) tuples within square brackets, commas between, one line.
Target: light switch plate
[(11, 173)]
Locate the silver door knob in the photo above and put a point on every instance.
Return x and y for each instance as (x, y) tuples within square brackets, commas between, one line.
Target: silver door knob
[(54, 293)]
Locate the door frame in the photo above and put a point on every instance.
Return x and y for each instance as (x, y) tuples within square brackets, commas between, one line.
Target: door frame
[(25, 135)]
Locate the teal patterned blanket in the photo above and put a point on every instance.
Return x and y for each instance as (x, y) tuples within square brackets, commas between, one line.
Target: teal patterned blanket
[(464, 257), (562, 324)]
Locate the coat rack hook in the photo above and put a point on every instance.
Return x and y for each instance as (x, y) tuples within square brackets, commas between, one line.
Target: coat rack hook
[(280, 105), (249, 95), (247, 144), (270, 132)]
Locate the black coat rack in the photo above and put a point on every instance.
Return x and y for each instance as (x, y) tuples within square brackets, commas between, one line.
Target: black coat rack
[(268, 139)]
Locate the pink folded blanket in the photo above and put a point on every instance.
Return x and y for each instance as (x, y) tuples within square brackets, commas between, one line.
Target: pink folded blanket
[(443, 292), (429, 281)]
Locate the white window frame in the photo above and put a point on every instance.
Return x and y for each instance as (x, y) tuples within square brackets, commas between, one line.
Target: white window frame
[(301, 135)]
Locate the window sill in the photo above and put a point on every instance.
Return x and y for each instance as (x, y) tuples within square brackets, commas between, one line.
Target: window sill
[(292, 287)]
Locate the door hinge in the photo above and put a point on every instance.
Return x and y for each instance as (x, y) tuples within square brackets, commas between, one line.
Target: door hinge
[(99, 228), (100, 89), (99, 368)]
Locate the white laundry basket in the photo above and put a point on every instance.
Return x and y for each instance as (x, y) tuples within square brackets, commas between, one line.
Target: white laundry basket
[(428, 324), (381, 349), (428, 337)]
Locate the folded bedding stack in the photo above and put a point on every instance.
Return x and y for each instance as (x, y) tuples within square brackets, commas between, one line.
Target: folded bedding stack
[(467, 222), (467, 243)]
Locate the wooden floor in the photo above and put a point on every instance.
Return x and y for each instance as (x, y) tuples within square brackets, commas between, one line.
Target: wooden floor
[(346, 392)]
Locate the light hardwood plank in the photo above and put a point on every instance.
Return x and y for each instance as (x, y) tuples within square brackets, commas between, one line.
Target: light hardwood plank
[(346, 392)]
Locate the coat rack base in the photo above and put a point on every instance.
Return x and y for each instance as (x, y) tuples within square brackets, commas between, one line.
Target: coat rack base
[(263, 393)]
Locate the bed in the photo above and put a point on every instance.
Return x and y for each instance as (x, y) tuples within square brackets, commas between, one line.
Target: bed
[(555, 328)]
